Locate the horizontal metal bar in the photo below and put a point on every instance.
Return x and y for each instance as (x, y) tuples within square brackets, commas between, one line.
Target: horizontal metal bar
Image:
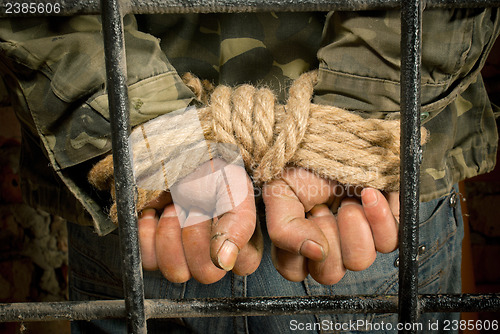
[(256, 306), (81, 310), (265, 306), (460, 303), (75, 7)]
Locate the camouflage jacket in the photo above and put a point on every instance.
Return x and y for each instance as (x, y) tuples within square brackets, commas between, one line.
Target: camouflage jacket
[(55, 73)]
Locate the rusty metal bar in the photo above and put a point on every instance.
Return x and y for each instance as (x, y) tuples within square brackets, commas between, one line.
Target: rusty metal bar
[(79, 7), (116, 74), (411, 157), (256, 306)]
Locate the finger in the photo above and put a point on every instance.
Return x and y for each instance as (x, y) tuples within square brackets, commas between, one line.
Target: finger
[(339, 194), (381, 219), (393, 199), (196, 244), (231, 232), (169, 251), (309, 188), (331, 270), (250, 256), (291, 266), (286, 223), (146, 225), (357, 245)]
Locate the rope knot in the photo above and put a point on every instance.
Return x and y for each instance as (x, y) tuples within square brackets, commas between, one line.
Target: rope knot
[(268, 134)]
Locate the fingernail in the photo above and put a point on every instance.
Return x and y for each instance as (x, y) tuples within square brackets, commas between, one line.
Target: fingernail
[(148, 213), (347, 202), (312, 250), (369, 197), (227, 255), (168, 212)]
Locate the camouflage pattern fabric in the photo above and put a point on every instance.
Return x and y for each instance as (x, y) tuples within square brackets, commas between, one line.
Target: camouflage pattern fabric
[(360, 68), (55, 69), (268, 49)]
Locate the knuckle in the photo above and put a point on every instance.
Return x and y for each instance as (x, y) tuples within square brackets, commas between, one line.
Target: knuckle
[(149, 264), (177, 276), (209, 275), (360, 262), (291, 275), (331, 278)]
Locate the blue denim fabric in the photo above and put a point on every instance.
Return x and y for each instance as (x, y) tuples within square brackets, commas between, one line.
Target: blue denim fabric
[(95, 274)]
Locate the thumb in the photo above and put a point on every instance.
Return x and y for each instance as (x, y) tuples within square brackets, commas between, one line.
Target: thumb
[(232, 230)]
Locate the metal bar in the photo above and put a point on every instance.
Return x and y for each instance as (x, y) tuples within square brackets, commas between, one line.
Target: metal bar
[(411, 156), (75, 310), (255, 306), (460, 303), (265, 306), (116, 74), (78, 7)]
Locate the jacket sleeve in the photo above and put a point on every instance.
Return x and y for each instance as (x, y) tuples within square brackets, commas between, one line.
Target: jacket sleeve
[(58, 68), (360, 62), (360, 70)]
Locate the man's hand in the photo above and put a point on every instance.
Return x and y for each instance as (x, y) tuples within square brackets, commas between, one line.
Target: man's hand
[(189, 240), (309, 239)]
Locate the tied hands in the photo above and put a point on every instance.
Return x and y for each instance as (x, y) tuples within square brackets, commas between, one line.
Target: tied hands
[(307, 237)]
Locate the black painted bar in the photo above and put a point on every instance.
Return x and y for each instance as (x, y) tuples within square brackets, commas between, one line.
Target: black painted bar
[(256, 306), (116, 73), (76, 7), (411, 156)]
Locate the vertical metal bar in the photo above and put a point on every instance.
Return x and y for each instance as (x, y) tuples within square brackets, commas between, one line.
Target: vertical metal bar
[(411, 156), (116, 72)]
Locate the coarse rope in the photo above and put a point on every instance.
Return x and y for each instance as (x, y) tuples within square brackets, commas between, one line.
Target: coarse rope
[(329, 141)]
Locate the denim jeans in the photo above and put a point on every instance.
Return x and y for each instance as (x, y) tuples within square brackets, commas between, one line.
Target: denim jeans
[(95, 274)]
